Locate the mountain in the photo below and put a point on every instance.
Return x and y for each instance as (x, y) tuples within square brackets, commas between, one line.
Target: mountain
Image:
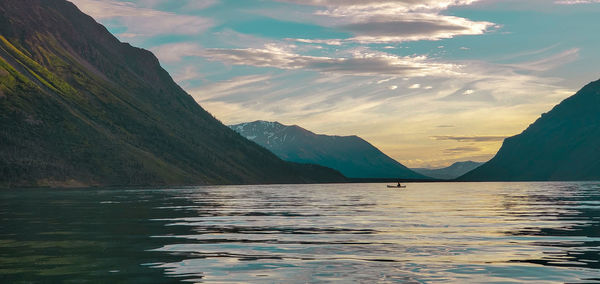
[(563, 144), (351, 155), (80, 108), (455, 170)]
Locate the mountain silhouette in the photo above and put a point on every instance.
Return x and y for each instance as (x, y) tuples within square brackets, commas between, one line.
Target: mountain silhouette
[(562, 145)]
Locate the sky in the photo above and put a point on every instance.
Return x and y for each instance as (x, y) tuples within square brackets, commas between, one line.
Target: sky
[(429, 82)]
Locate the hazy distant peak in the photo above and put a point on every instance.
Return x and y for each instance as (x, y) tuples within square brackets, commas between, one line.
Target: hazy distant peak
[(451, 172)]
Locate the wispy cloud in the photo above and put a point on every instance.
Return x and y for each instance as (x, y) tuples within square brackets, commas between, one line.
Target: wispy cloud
[(574, 2), (317, 41), (222, 89), (186, 5), (549, 62), (368, 63), (412, 27), (395, 5), (470, 138), (143, 22), (386, 21), (174, 52), (461, 150), (199, 4), (186, 73)]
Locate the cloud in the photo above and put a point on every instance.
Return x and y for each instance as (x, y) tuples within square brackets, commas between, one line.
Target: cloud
[(470, 138), (460, 150), (574, 2), (359, 63), (318, 41), (250, 83), (143, 22), (403, 5), (549, 62), (175, 52), (385, 80), (386, 21), (187, 73), (199, 4), (411, 27), (185, 5)]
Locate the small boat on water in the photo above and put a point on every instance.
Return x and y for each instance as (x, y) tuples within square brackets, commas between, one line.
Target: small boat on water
[(396, 186)]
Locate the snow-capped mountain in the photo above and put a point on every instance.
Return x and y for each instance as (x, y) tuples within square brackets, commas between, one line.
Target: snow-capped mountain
[(351, 155)]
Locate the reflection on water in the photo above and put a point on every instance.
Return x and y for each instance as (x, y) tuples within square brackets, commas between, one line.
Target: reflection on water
[(440, 232)]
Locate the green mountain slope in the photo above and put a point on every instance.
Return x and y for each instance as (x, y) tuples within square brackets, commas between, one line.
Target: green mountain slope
[(78, 107), (351, 155), (563, 144)]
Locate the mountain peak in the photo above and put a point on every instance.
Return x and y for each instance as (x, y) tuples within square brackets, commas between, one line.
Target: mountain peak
[(351, 155), (560, 145)]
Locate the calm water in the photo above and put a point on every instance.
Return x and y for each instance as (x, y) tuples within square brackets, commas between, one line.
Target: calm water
[(427, 233)]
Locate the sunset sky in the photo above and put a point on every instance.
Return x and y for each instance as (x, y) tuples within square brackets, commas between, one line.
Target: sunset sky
[(429, 82)]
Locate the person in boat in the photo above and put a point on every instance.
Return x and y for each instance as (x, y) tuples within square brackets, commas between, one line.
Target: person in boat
[(399, 185)]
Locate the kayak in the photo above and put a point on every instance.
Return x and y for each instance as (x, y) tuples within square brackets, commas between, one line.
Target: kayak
[(395, 186)]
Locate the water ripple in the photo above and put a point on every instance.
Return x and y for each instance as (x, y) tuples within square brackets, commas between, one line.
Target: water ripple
[(438, 232)]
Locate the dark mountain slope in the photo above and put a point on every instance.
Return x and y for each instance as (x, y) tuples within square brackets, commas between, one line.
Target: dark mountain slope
[(563, 144), (78, 107), (351, 155), (453, 171)]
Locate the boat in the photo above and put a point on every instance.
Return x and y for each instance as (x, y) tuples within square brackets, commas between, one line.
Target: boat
[(396, 186)]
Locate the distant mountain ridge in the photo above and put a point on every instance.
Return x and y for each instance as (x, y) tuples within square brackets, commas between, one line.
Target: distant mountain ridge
[(451, 172), (351, 155), (562, 145), (80, 108)]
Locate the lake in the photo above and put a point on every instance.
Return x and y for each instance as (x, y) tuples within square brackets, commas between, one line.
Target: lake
[(426, 233)]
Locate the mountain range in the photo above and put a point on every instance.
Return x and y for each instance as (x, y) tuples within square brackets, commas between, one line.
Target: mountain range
[(562, 145), (453, 171), (351, 155), (80, 108)]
